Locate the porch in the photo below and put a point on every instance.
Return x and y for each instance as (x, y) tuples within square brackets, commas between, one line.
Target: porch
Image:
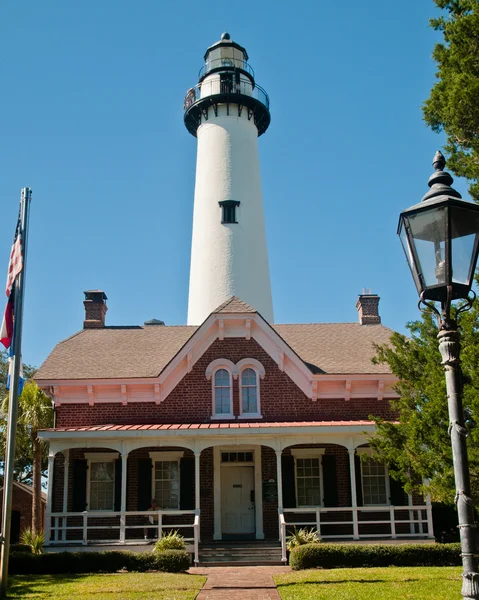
[(243, 481)]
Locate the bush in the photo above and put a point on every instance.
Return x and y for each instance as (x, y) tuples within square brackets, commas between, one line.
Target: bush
[(172, 561), (33, 539), (329, 556), (22, 563), (170, 541), (299, 537), (20, 548)]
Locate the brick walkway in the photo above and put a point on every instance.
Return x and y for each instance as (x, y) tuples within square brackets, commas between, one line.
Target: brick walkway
[(239, 583)]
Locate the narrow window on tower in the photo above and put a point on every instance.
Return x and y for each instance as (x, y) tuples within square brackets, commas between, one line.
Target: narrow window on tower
[(228, 210)]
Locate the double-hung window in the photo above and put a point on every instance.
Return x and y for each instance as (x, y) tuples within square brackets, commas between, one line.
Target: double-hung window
[(166, 479), (308, 476), (250, 372), (222, 393), (374, 480), (249, 391), (101, 480), (374, 483)]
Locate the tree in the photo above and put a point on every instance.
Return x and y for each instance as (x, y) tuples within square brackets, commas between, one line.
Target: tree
[(417, 447), (24, 461), (35, 411), (452, 106)]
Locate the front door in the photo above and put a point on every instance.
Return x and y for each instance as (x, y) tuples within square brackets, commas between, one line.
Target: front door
[(237, 500)]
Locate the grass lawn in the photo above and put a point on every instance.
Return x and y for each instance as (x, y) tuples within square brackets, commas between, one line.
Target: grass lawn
[(386, 583), (119, 586)]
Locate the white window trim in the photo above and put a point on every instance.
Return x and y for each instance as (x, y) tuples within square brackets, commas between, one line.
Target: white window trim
[(170, 456), (216, 366), (370, 452), (94, 457), (257, 367), (308, 453)]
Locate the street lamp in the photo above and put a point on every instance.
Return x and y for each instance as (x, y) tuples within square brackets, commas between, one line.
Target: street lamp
[(440, 237)]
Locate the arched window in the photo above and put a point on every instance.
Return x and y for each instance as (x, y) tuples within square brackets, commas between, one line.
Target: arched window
[(222, 392), (249, 391)]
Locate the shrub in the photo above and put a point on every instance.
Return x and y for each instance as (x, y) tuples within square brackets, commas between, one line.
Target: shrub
[(21, 548), (170, 541), (329, 556), (33, 539), (172, 561), (299, 537), (23, 563)]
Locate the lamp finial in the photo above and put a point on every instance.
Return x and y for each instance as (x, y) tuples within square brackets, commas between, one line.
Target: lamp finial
[(439, 162), (440, 181)]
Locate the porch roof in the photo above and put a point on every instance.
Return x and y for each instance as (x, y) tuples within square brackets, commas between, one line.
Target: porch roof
[(196, 426)]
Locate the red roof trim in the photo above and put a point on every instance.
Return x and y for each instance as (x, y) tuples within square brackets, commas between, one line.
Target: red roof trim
[(182, 426)]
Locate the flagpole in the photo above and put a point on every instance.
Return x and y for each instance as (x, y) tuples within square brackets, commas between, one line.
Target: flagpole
[(26, 197)]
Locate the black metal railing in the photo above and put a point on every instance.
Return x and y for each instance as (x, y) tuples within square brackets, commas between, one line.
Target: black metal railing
[(216, 87), (217, 63)]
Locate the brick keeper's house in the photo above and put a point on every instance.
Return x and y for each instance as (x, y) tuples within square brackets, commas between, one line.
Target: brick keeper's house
[(238, 427)]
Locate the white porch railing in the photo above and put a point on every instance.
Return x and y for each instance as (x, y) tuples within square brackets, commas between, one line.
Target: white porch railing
[(362, 522), (64, 528)]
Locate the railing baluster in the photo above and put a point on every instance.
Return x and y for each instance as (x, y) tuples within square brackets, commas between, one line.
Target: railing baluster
[(355, 523), (393, 522), (85, 528)]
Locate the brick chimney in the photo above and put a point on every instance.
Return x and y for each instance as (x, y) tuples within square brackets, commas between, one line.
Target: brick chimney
[(368, 308), (95, 309)]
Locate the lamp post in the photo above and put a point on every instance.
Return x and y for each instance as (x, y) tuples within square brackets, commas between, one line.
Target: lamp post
[(440, 237)]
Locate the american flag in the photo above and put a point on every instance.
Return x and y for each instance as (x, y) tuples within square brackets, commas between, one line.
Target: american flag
[(15, 266)]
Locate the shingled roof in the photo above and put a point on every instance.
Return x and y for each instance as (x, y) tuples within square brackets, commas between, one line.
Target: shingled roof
[(131, 352)]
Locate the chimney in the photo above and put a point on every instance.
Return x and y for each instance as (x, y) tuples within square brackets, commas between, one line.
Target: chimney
[(368, 308), (95, 309)]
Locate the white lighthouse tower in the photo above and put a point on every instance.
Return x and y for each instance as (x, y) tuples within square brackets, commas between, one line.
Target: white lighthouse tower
[(227, 111)]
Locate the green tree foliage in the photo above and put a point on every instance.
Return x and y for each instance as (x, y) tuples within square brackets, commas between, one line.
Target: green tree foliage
[(23, 470), (35, 411), (453, 105), (418, 446)]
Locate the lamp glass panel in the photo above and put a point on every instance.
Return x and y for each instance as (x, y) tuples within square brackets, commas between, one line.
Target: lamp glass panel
[(428, 231), (464, 231), (409, 255)]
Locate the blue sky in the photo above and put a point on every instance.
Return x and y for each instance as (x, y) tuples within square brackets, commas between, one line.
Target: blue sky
[(92, 121)]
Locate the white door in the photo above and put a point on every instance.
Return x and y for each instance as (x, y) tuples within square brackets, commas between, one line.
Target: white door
[(237, 505)]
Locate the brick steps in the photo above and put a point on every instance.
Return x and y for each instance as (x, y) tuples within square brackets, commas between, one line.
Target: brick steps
[(240, 554)]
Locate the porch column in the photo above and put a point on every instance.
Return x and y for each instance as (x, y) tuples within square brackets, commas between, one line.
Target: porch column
[(354, 499), (66, 471), (124, 465), (51, 462), (197, 482), (279, 479)]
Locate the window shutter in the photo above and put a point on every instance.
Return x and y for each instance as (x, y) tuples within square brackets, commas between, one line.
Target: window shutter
[(359, 486), (118, 483), (289, 484), (187, 483), (79, 471), (144, 483), (330, 483), (397, 494)]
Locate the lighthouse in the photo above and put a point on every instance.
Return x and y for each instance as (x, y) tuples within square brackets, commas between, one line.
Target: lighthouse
[(227, 111)]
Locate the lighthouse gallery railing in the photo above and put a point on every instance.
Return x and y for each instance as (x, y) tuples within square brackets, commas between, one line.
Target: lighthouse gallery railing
[(214, 86)]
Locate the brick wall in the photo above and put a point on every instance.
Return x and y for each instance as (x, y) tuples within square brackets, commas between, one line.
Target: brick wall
[(22, 502), (191, 400)]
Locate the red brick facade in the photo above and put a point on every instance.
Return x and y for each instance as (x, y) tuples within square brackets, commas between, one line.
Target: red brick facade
[(191, 400)]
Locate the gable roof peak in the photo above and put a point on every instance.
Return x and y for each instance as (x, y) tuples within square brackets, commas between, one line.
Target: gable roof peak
[(234, 305)]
